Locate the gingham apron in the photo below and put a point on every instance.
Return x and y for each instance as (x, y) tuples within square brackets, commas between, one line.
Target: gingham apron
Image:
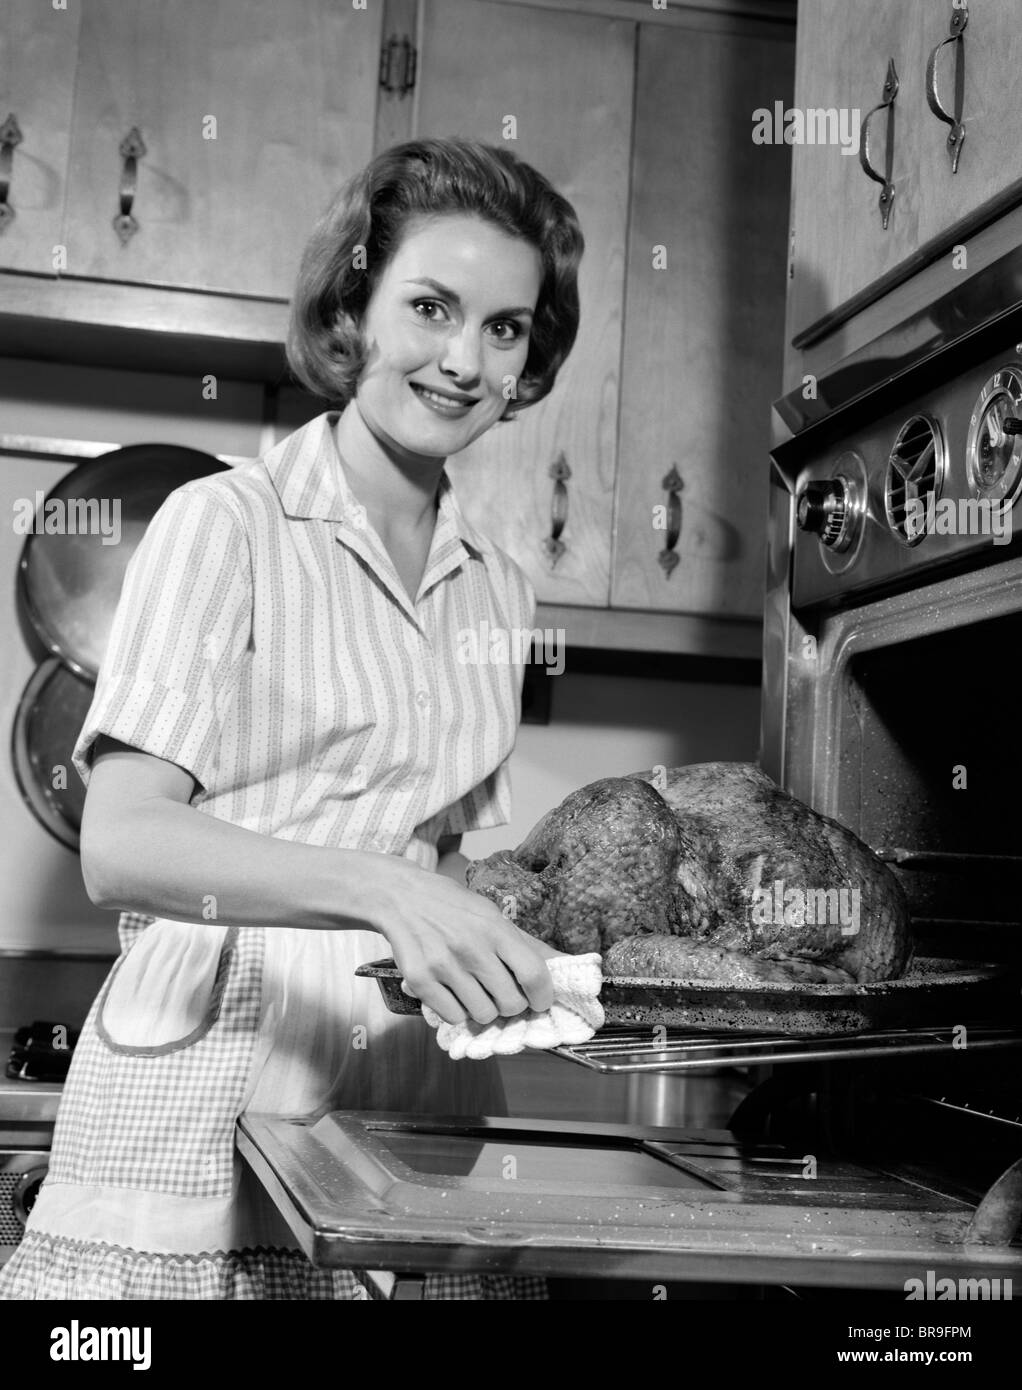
[(160, 1118)]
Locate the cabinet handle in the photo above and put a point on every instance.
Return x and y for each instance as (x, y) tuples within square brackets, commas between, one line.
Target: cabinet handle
[(886, 201), (393, 52), (132, 149), (669, 559), (956, 135), (553, 545), (10, 135)]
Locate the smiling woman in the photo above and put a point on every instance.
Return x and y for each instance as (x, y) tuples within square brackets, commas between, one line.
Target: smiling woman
[(374, 212), (285, 745), (444, 355), (437, 296)]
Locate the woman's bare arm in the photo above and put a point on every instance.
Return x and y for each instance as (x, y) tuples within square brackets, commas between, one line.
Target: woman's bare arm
[(144, 848)]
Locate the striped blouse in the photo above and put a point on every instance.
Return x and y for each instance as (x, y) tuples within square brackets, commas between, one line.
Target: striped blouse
[(265, 643)]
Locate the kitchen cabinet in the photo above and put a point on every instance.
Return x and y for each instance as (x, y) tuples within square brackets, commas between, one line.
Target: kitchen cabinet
[(704, 309), (990, 162), (521, 65), (251, 114), (652, 379), (38, 51), (839, 247), (642, 118), (838, 243)]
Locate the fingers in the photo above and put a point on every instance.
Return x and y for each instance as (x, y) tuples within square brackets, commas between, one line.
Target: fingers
[(439, 998), (490, 989), (531, 972), (462, 958), (482, 990), (510, 967), (481, 1006)]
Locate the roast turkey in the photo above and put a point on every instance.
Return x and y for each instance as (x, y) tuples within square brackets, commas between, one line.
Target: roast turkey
[(704, 872)]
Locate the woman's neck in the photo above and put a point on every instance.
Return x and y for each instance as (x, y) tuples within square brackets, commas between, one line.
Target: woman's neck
[(399, 493)]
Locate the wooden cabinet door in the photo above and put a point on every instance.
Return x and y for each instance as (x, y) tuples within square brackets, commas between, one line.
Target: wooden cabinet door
[(991, 155), (479, 64), (38, 49), (289, 90), (704, 317), (839, 245)]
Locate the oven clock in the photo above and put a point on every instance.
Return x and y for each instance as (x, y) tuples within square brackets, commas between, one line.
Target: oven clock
[(994, 451)]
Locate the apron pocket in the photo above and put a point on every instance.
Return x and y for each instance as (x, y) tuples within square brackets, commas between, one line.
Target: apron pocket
[(165, 993)]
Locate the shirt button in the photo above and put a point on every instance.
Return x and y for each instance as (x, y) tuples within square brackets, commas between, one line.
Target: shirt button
[(421, 698)]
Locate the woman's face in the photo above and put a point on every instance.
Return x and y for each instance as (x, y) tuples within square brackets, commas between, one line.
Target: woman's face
[(447, 324)]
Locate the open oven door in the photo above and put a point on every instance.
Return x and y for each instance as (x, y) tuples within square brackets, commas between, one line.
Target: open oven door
[(412, 1193)]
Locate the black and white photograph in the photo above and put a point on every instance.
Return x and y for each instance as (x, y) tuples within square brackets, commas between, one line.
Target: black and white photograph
[(510, 776)]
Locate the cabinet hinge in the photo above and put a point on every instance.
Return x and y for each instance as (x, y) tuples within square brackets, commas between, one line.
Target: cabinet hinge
[(399, 60)]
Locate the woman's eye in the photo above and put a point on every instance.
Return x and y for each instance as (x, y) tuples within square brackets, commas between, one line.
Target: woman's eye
[(507, 330), (428, 309)]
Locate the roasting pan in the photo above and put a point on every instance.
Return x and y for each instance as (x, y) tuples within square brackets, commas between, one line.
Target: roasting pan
[(934, 992)]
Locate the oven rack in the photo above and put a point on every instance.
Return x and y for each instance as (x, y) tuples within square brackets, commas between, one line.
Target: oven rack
[(620, 1051)]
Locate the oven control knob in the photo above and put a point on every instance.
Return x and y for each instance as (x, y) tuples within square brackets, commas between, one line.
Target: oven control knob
[(822, 508)]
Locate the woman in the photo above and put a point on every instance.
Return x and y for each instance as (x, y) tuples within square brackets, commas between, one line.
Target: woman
[(282, 749)]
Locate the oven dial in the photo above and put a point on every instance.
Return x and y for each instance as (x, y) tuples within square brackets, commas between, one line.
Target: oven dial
[(994, 450), (824, 509), (833, 509)]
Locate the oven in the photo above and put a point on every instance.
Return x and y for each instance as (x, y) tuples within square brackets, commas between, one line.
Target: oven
[(28, 1109), (22, 1170), (888, 1157)]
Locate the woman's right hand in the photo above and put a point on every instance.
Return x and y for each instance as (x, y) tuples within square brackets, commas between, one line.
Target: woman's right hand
[(456, 951)]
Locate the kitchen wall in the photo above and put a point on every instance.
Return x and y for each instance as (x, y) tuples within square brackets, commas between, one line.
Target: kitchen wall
[(600, 725), (608, 726)]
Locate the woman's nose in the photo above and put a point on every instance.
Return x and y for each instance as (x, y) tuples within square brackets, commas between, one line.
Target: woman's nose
[(462, 355)]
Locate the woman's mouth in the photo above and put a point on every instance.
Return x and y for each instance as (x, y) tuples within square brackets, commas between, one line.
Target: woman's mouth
[(443, 405)]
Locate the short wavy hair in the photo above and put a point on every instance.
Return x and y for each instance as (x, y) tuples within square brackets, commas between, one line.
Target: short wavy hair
[(325, 346)]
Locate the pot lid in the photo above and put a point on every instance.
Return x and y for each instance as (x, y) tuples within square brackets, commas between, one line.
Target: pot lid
[(70, 579), (50, 716)]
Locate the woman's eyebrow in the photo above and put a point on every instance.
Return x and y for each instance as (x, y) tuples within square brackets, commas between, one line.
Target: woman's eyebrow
[(456, 299)]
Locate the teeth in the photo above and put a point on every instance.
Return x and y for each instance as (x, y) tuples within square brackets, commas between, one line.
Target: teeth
[(440, 400)]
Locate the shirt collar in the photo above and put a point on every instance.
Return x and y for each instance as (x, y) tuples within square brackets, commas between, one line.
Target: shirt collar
[(305, 469)]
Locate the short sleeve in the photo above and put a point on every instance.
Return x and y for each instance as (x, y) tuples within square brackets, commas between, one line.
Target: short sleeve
[(489, 803), (523, 593), (181, 629), (486, 805)]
